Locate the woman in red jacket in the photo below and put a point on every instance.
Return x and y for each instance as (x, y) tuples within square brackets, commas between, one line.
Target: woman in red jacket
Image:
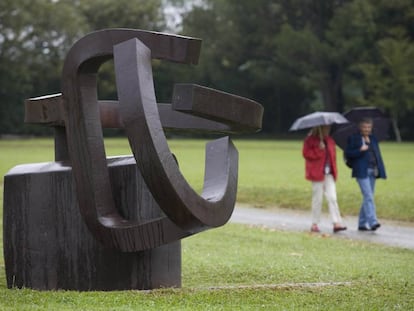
[(320, 162)]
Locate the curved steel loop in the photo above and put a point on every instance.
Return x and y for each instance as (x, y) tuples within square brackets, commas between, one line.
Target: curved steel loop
[(140, 116), (85, 138)]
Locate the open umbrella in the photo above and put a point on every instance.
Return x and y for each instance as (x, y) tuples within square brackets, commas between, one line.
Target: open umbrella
[(381, 124), (316, 119)]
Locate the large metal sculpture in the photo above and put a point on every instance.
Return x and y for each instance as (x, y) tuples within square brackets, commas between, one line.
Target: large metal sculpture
[(88, 222)]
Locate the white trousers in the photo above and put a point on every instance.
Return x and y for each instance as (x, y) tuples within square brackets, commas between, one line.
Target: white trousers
[(327, 187)]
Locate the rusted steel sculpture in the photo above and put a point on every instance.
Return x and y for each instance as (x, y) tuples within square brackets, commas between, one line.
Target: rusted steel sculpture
[(136, 209)]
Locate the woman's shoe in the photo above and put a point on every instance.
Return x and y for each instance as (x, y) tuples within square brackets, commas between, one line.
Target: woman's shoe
[(338, 228), (315, 228)]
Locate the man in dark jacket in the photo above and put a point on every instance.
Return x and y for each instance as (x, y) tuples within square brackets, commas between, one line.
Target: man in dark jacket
[(367, 165)]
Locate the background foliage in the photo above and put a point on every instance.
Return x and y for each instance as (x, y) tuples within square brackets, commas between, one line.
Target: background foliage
[(292, 56)]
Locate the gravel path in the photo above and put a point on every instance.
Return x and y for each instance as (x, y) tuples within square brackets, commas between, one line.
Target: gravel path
[(391, 233)]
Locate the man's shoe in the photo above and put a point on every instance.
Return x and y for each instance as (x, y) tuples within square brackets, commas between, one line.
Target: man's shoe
[(363, 228), (375, 226)]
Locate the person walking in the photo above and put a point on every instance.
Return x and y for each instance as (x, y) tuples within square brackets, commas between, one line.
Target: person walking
[(367, 165), (320, 168)]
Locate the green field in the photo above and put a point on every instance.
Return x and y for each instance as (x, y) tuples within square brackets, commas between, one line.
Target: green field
[(239, 267), (271, 173)]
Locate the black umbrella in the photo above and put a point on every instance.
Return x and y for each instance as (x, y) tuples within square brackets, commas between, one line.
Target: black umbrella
[(381, 124)]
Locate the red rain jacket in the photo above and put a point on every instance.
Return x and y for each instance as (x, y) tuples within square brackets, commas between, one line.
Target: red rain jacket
[(315, 157)]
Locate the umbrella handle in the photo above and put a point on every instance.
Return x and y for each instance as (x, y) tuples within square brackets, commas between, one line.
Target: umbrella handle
[(321, 144), (320, 133)]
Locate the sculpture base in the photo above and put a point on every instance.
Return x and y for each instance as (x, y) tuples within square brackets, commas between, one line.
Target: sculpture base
[(47, 246)]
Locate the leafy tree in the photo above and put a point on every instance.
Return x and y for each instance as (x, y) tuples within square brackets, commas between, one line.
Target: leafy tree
[(322, 49), (295, 56), (138, 14), (285, 54), (102, 14), (237, 55), (292, 56), (34, 36), (388, 76), (390, 83)]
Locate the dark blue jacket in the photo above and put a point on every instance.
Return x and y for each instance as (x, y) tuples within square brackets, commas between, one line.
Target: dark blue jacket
[(360, 159)]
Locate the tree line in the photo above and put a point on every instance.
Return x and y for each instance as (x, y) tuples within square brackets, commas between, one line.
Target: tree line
[(292, 56)]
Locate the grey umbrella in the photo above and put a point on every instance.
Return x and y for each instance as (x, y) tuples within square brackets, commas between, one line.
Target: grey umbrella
[(316, 119)]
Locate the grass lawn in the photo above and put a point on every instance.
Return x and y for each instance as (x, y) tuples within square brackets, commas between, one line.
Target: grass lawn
[(271, 173), (238, 267)]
